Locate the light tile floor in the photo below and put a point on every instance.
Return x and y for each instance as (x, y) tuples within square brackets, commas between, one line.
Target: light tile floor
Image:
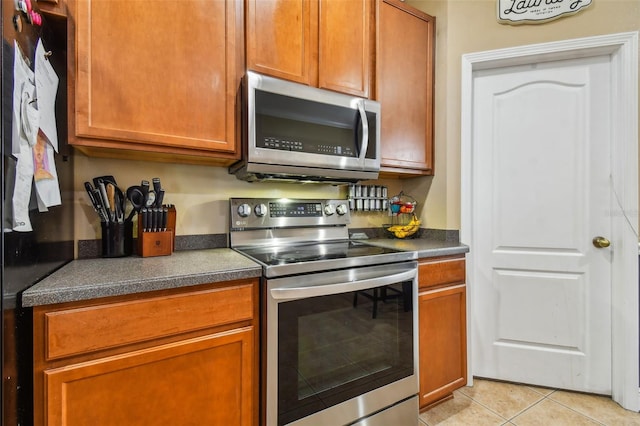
[(490, 402)]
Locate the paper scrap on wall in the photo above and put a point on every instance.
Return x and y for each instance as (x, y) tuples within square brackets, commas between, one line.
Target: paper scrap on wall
[(45, 175), (34, 136), (23, 83), (44, 172), (46, 90), (23, 91)]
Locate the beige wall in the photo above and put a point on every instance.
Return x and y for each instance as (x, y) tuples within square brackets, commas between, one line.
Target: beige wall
[(463, 26), (199, 193), (468, 26)]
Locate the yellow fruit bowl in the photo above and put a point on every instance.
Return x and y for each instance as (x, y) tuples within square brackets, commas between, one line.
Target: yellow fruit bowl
[(403, 231)]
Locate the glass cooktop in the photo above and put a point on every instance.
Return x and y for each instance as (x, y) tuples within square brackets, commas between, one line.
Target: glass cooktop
[(279, 255), (291, 259)]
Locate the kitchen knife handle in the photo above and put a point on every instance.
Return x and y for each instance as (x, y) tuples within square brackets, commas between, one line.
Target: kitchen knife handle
[(155, 220), (156, 187), (144, 186), (143, 219), (159, 198), (149, 220), (165, 217)]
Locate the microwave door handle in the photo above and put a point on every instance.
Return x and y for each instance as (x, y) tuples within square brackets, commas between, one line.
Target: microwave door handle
[(294, 293), (364, 145)]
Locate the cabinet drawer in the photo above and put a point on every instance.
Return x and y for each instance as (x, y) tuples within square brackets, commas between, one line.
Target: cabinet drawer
[(87, 329), (441, 272), (207, 380)]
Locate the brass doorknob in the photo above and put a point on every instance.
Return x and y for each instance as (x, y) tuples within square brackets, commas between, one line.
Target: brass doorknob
[(601, 242)]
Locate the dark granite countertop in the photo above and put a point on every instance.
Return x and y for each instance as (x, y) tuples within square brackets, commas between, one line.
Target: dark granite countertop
[(87, 279), (425, 247), (93, 278)]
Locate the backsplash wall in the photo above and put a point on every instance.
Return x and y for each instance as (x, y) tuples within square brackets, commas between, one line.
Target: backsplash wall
[(201, 194)]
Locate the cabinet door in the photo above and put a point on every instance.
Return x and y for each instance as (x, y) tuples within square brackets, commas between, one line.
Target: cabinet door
[(53, 8), (443, 342), (202, 381), (321, 43), (155, 77), (405, 88), (282, 39), (345, 46)]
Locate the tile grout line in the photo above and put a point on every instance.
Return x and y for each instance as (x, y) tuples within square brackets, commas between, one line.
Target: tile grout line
[(542, 398), (547, 395), (576, 411), (509, 420), (476, 402), (484, 406), (559, 403)]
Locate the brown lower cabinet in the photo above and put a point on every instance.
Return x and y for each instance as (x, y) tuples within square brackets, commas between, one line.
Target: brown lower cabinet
[(185, 356), (442, 328)]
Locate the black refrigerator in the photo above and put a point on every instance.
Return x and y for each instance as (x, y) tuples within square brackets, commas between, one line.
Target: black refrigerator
[(29, 256)]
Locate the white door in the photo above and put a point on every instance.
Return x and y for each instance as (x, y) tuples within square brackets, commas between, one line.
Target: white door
[(542, 193)]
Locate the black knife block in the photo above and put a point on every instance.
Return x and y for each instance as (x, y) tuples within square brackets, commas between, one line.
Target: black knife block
[(160, 243)]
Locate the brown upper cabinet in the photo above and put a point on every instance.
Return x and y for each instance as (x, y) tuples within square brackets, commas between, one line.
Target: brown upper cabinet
[(321, 43), (405, 78), (156, 81), (53, 8)]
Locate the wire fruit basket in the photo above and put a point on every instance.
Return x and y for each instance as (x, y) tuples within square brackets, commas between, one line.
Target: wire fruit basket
[(405, 223)]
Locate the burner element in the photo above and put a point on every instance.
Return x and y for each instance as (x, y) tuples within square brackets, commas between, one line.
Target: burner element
[(296, 256)]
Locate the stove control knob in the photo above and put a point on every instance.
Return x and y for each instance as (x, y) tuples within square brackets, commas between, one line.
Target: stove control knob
[(244, 210), (260, 210), (329, 209), (342, 209)]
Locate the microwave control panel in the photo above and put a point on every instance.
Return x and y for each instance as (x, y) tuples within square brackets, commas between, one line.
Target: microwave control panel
[(307, 146)]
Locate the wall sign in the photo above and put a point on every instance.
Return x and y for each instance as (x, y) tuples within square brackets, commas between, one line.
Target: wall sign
[(537, 11)]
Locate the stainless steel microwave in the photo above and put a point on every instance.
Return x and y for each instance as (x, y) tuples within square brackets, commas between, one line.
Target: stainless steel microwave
[(296, 132)]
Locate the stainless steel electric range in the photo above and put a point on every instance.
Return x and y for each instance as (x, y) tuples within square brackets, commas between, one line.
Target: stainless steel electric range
[(339, 316)]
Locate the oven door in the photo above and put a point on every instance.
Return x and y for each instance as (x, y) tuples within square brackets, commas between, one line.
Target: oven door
[(334, 354)]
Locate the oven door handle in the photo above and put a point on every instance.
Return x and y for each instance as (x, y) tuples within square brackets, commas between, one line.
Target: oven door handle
[(292, 293)]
